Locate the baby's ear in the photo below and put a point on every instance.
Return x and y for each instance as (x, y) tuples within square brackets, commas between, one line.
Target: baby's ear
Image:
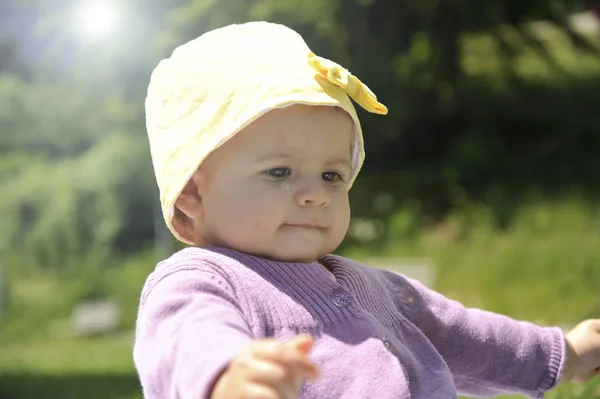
[(189, 201)]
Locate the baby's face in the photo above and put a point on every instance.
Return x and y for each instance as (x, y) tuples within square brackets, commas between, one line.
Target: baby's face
[(279, 188)]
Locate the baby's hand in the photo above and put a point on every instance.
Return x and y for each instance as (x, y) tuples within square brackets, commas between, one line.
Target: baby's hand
[(583, 352), (268, 369)]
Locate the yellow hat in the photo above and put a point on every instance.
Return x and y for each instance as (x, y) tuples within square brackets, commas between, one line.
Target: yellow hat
[(215, 85)]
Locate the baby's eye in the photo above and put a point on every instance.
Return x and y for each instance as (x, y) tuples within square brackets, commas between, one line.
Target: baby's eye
[(332, 177), (279, 173)]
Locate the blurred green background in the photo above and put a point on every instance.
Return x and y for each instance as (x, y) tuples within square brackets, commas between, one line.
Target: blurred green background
[(487, 165)]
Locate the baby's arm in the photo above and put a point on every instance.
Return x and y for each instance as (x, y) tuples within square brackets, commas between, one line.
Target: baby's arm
[(488, 354), (193, 341), (189, 329)]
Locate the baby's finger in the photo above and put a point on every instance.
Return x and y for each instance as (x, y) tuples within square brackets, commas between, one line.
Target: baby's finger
[(584, 378), (593, 324), (275, 375), (288, 356), (259, 391), (302, 343)]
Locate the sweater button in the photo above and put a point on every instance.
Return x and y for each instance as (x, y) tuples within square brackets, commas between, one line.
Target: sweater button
[(341, 298)]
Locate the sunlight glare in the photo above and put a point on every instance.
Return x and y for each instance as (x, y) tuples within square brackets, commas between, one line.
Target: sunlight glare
[(97, 19)]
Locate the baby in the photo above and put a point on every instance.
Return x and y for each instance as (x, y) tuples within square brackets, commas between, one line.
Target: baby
[(255, 143)]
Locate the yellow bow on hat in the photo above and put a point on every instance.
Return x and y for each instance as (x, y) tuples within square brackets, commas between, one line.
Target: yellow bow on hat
[(341, 77)]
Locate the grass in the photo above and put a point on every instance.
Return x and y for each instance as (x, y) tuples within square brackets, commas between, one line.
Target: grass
[(69, 386), (97, 368), (110, 354)]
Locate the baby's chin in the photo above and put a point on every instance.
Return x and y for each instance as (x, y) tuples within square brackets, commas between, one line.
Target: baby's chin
[(291, 255), (277, 256), (299, 249)]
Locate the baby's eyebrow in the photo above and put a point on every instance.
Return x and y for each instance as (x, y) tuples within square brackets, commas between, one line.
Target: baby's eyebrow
[(274, 155), (341, 161), (287, 155)]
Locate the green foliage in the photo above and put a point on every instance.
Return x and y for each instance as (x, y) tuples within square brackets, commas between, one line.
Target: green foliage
[(59, 212)]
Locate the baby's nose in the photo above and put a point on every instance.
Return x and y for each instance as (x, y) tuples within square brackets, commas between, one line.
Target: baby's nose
[(312, 194)]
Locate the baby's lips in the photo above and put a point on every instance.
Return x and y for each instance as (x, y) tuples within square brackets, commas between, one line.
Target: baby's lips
[(306, 225)]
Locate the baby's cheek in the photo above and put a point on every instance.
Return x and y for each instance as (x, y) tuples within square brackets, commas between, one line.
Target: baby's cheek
[(341, 209), (254, 215), (258, 228)]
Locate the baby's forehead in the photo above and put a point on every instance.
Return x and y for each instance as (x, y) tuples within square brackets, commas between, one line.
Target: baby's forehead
[(317, 133), (301, 116)]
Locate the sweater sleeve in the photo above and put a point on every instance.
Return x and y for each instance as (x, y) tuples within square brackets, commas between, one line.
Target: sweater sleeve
[(190, 326), (488, 354)]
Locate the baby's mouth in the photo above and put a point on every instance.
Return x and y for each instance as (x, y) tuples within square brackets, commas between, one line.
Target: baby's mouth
[(307, 226)]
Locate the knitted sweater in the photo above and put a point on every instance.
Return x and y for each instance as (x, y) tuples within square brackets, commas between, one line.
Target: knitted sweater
[(377, 334)]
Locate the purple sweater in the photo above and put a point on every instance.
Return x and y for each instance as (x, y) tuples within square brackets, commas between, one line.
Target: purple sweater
[(377, 334)]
